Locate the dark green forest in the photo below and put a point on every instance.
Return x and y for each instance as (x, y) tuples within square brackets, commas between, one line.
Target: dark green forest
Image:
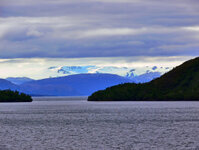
[(14, 96), (181, 83)]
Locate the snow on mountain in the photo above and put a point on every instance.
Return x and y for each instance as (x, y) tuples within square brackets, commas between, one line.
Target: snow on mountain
[(147, 77), (130, 74), (122, 71), (137, 74), (71, 70)]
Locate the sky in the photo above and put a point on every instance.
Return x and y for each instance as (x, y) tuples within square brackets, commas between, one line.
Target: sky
[(37, 34)]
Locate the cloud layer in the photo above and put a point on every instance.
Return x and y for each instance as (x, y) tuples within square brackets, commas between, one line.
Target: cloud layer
[(98, 28), (38, 68)]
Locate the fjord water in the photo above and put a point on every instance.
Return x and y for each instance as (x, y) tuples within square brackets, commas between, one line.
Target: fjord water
[(74, 123)]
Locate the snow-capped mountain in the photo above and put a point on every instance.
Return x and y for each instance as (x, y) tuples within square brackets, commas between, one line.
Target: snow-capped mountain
[(149, 72), (70, 70), (147, 77)]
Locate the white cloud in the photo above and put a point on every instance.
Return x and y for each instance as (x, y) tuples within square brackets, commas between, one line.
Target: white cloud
[(103, 32), (34, 33), (111, 32), (193, 28)]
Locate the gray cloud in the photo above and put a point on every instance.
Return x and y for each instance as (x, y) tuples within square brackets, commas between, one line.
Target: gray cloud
[(98, 28)]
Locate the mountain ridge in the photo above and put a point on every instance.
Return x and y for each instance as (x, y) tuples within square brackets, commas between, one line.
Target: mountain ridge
[(72, 85), (56, 88), (19, 80), (5, 84)]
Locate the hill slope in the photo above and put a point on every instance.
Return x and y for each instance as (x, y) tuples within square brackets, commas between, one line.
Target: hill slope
[(5, 85), (72, 85), (182, 83), (19, 80)]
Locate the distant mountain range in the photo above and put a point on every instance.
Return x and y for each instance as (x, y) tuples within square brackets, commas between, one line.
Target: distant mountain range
[(73, 85)]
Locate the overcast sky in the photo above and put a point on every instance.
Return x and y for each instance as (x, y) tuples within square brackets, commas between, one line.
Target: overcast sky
[(98, 29)]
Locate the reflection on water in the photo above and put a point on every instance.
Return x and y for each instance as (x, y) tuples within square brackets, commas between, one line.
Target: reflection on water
[(78, 124)]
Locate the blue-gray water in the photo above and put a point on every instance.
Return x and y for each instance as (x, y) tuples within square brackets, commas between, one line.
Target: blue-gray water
[(80, 125)]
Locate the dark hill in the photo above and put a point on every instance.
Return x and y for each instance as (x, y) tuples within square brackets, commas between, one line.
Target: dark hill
[(13, 96), (182, 83)]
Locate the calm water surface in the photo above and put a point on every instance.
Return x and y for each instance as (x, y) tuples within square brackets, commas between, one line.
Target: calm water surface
[(76, 124)]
